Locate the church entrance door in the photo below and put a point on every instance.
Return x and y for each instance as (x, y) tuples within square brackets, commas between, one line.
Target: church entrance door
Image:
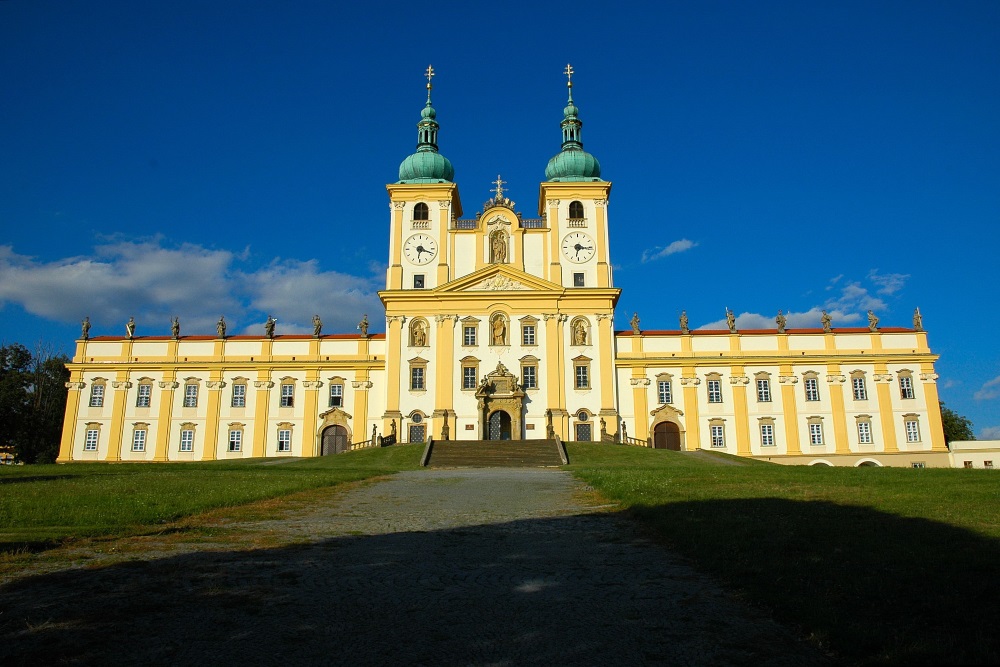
[(334, 440), (667, 435), (499, 426)]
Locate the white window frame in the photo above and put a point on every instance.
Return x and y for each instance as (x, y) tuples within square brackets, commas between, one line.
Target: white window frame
[(532, 381), (763, 390), (417, 379), (912, 428), (714, 391), (239, 399), (284, 439), (864, 432), (528, 335), (190, 395), (287, 395), (906, 387), (139, 440), (187, 440), (581, 376), (469, 335), (811, 386), (767, 435), (717, 433), (90, 440), (144, 395), (97, 395), (859, 388), (664, 392), (816, 434), (469, 377), (336, 395), (235, 440)]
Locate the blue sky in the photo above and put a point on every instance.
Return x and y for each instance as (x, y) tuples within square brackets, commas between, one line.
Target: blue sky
[(197, 158)]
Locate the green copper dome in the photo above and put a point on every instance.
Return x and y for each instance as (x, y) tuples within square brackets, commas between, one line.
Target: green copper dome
[(572, 163), (427, 165)]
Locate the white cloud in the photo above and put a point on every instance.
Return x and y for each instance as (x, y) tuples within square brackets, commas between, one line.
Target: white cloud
[(889, 283), (855, 297), (989, 390), (809, 319), (989, 433), (153, 282), (834, 281), (659, 252)]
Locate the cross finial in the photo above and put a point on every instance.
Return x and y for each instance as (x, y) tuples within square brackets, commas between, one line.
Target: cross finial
[(499, 187), (569, 75), (429, 73)]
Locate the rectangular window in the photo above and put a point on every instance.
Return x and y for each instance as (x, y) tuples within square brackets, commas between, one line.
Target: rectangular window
[(860, 390), (285, 440), (139, 440), (90, 443), (239, 395), (767, 435), (528, 334), (96, 395), (919, 464), (578, 280), (812, 389), (190, 396), (865, 433), (418, 281), (468, 335), (905, 386), (582, 377), (143, 397), (718, 435), (468, 377), (815, 434), (988, 464), (235, 440), (187, 440), (529, 377), (715, 391), (663, 392), (912, 430), (336, 395), (966, 464), (287, 395), (417, 378), (764, 390)]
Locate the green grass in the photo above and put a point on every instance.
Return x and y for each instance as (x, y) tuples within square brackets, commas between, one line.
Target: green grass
[(43, 505), (877, 565)]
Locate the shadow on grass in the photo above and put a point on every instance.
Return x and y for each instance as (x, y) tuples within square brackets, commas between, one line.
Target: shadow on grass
[(582, 589), (873, 587)]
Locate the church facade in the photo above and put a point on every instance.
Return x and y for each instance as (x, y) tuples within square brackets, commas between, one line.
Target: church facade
[(501, 327)]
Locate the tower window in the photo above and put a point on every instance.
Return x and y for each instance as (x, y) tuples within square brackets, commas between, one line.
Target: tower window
[(575, 210), (421, 212), (418, 281), (578, 280)]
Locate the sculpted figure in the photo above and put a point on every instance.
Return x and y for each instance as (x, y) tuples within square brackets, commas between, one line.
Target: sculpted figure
[(731, 321), (317, 326), (780, 319), (175, 327), (499, 247), (269, 327), (363, 325), (684, 322), (220, 326), (827, 322), (624, 432), (872, 321), (419, 334), (130, 327), (392, 427), (374, 432), (85, 328), (918, 320), (499, 331), (579, 333), (635, 323)]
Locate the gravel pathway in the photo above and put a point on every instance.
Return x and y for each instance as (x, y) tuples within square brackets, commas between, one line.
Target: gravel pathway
[(431, 567)]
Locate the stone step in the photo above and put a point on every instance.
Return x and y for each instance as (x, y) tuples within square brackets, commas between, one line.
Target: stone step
[(494, 454)]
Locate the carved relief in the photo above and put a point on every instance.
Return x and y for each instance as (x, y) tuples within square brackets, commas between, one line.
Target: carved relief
[(498, 247)]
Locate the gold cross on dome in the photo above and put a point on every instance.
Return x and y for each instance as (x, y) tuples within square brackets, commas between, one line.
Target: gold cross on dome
[(499, 188), (569, 74), (429, 73)]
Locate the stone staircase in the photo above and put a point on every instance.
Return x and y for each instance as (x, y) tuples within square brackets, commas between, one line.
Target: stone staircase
[(494, 454)]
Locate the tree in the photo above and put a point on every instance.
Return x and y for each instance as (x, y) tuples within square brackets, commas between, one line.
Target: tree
[(956, 427), (32, 402)]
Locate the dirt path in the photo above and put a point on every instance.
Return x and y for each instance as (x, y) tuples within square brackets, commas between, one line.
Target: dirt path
[(435, 567)]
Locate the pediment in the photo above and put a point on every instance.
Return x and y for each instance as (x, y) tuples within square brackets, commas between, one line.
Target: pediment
[(667, 411), (333, 413), (499, 278)]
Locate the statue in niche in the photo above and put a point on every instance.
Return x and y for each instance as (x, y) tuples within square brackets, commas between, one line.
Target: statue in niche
[(579, 333), (684, 322), (499, 330), (731, 320), (130, 327), (269, 327), (363, 325), (220, 326), (317, 326), (635, 323), (781, 320), (918, 320), (175, 327), (827, 322), (419, 334), (498, 247), (85, 328), (872, 321)]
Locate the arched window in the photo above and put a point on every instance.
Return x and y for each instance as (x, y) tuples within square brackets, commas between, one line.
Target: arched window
[(421, 212), (575, 210)]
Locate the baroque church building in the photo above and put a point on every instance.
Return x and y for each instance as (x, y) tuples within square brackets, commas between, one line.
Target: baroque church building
[(502, 327)]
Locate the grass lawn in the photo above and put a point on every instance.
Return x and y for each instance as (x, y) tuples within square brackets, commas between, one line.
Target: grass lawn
[(878, 565), (43, 505)]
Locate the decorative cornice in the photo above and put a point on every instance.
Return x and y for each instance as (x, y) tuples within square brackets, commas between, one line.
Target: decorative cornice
[(929, 377), (739, 379), (261, 384), (361, 384), (398, 205), (312, 384), (836, 378), (215, 384), (552, 202), (75, 385), (636, 382), (600, 202), (120, 384), (389, 319), (882, 377), (693, 381), (444, 203), (601, 316), (549, 316), (169, 385), (788, 379)]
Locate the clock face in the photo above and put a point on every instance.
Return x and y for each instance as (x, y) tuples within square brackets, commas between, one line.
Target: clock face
[(578, 247), (420, 249)]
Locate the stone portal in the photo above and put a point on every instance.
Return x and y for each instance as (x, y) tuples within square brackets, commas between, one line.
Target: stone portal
[(501, 406)]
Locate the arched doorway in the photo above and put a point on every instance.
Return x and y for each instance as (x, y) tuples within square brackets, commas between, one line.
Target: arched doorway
[(334, 440), (667, 435), (499, 426)]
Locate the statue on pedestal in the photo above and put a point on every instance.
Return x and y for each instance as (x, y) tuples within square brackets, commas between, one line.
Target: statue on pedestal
[(827, 322), (130, 327), (85, 328)]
